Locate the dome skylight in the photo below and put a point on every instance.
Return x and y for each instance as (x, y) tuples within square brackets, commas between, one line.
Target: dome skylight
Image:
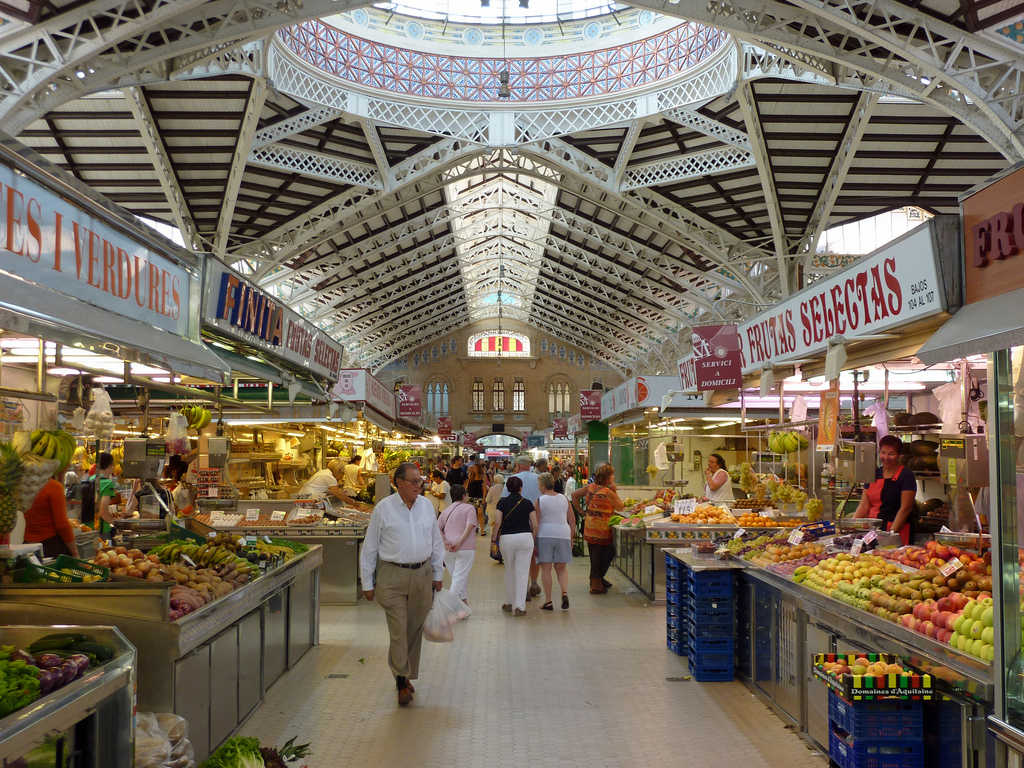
[(498, 11)]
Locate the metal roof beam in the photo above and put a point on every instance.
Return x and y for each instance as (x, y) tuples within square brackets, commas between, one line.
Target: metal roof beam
[(626, 150), (689, 166), (289, 126), (319, 165), (246, 132), (714, 129)]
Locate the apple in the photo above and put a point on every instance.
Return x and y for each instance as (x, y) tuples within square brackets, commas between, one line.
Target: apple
[(975, 649), (976, 630), (944, 635), (907, 620), (945, 619), (987, 635), (944, 604), (928, 628), (986, 616), (988, 652), (965, 628)]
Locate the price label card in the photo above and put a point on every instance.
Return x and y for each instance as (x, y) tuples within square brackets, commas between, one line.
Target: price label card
[(252, 515), (652, 510), (266, 539), (796, 537), (211, 535), (685, 506), (188, 560), (213, 492), (857, 546), (738, 533), (951, 567), (277, 516), (869, 537)]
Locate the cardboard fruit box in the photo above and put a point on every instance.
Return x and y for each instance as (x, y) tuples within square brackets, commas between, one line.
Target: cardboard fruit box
[(836, 670)]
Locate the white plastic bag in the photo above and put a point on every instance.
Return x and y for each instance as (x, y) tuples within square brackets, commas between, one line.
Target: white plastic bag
[(161, 741), (177, 434), (438, 626), (99, 421), (452, 602)]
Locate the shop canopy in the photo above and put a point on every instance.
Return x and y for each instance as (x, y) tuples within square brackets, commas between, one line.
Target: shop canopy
[(985, 326), (265, 371)]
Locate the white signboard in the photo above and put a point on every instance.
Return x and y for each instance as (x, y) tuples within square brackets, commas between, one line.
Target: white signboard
[(47, 240), (646, 392), (357, 385), (893, 286), (236, 308)]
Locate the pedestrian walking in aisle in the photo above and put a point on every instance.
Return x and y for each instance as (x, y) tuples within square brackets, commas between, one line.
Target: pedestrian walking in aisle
[(458, 524), (491, 501), (457, 474), (557, 525), (515, 526), (602, 501), (402, 562), (531, 492), (476, 488)]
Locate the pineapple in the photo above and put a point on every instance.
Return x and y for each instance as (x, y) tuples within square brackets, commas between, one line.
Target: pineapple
[(10, 474)]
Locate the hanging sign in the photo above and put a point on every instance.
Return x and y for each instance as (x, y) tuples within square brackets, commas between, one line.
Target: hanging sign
[(559, 428), (891, 287), (410, 402), (444, 426), (236, 308), (357, 385), (828, 417), (47, 240), (590, 404), (716, 352), (994, 239)]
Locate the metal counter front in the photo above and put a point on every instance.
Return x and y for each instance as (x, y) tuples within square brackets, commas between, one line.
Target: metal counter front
[(211, 666)]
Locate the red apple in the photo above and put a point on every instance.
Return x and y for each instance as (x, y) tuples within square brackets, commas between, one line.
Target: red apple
[(928, 628), (943, 635), (908, 620), (945, 620), (943, 604)]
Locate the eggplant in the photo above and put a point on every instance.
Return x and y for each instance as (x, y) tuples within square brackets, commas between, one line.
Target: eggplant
[(48, 660), (50, 680), (81, 660), (70, 672)]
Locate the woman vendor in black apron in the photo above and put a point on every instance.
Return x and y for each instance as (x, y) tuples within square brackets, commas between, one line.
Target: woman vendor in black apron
[(891, 496)]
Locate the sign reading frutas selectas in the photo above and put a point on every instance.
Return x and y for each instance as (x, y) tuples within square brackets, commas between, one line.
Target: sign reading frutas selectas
[(49, 241), (444, 426), (893, 286), (410, 402), (357, 385), (236, 308), (559, 428), (590, 404)]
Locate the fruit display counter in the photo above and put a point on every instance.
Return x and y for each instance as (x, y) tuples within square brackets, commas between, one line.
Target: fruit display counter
[(76, 696), (233, 637)]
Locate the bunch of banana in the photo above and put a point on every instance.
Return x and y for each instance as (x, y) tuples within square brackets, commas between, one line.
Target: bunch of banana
[(196, 416), (273, 550), (207, 555), (53, 444)]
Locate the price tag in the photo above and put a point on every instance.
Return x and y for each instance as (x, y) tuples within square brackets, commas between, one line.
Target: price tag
[(869, 537), (796, 537), (738, 533), (856, 547), (951, 567), (277, 516), (213, 492), (188, 561), (252, 515), (684, 506), (652, 510), (211, 535), (266, 539), (34, 559)]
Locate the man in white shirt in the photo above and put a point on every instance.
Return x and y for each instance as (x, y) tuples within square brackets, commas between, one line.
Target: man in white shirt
[(401, 563), (531, 492)]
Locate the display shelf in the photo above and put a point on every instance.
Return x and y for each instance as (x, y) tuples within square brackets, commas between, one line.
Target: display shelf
[(106, 691)]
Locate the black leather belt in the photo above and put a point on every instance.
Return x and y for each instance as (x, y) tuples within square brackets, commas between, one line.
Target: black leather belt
[(412, 566)]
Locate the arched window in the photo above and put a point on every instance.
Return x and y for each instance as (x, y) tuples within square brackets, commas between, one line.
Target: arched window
[(478, 395), (499, 395), (559, 398), (435, 394), (519, 396), (498, 344)]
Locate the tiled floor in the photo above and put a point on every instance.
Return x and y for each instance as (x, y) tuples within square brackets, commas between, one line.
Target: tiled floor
[(586, 687)]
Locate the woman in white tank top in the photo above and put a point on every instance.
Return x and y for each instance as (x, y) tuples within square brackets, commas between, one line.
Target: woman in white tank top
[(719, 485), (554, 539)]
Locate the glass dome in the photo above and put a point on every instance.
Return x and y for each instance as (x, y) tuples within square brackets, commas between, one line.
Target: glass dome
[(501, 11)]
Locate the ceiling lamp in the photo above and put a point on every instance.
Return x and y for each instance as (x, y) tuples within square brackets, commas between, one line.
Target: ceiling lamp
[(504, 92), (524, 3)]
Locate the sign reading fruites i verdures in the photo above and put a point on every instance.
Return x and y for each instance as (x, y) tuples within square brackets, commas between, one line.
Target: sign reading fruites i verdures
[(994, 239), (46, 239), (236, 308)]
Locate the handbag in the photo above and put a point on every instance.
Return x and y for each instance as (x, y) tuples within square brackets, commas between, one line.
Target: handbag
[(495, 549)]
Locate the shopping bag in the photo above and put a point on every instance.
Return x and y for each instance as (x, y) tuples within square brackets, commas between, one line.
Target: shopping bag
[(454, 605), (438, 626)]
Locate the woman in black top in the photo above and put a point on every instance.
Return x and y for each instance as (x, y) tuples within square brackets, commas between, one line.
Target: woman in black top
[(515, 528)]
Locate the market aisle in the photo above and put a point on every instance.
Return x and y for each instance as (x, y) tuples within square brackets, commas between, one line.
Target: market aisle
[(583, 688)]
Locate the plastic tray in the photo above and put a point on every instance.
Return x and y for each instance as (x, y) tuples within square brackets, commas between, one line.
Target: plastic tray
[(39, 574), (725, 645), (857, 688), (712, 585), (877, 720), (709, 608), (81, 566), (875, 754)]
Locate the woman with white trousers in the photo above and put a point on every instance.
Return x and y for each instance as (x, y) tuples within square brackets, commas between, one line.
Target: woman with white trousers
[(515, 526), (458, 524)]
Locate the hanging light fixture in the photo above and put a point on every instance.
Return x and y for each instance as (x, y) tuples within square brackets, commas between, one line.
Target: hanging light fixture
[(504, 91)]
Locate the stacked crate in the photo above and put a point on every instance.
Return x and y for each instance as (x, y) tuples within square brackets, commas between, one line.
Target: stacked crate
[(875, 734), (700, 614)]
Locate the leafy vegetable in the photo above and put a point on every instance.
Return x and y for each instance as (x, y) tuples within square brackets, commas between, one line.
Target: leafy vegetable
[(19, 685), (239, 752)]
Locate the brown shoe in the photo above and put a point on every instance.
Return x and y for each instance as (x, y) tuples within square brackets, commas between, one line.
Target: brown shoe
[(597, 587), (520, 612), (405, 696), (410, 686)]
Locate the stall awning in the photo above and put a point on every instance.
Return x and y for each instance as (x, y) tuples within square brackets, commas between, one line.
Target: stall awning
[(35, 311), (259, 370), (979, 328)]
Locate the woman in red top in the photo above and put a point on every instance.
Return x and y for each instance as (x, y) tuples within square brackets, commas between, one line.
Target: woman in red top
[(602, 501), (891, 496), (46, 521)]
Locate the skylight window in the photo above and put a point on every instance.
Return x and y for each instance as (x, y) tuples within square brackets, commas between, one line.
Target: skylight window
[(474, 12)]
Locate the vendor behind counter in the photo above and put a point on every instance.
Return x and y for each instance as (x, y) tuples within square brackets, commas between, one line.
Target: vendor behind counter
[(326, 482), (46, 521)]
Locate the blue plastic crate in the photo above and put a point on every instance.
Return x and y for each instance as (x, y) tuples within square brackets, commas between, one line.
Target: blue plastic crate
[(711, 644), (711, 583), (710, 609), (676, 647), (876, 720), (707, 668), (717, 626), (867, 753)]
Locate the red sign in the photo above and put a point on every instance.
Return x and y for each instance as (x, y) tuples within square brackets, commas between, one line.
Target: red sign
[(717, 357), (590, 404), (444, 426), (560, 428), (688, 373), (410, 402), (468, 440), (993, 221)]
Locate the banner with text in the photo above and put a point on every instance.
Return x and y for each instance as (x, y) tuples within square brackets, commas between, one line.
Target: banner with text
[(716, 352), (410, 402), (444, 426), (646, 392), (47, 240), (357, 385), (590, 404), (895, 285), (828, 417), (560, 429), (236, 308)]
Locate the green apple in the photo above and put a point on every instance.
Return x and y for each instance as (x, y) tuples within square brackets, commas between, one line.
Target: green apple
[(987, 635), (976, 629), (988, 652), (962, 618), (969, 608), (987, 602), (975, 649), (965, 627), (986, 616)]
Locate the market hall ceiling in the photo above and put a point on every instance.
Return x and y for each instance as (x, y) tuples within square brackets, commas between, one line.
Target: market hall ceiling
[(661, 174)]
